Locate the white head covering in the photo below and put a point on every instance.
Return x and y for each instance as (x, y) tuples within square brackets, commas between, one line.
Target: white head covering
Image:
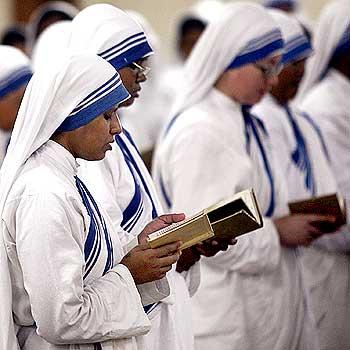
[(111, 33), (205, 10), (15, 69), (61, 96), (244, 33), (332, 33), (52, 44), (36, 16), (296, 44)]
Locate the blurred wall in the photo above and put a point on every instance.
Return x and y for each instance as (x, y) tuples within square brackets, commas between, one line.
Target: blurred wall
[(6, 13)]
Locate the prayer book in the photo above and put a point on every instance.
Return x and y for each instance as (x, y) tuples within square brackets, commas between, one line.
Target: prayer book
[(229, 218), (332, 204)]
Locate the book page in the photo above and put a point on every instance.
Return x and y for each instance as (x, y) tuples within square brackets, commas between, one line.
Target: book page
[(243, 200), (193, 231)]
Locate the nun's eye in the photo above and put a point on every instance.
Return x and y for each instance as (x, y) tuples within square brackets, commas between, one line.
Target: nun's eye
[(107, 116)]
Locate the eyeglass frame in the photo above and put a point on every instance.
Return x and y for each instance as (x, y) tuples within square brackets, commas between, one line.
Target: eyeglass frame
[(140, 69), (269, 72), (110, 113)]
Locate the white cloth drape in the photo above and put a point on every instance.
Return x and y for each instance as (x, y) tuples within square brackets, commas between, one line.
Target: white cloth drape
[(52, 44), (333, 21)]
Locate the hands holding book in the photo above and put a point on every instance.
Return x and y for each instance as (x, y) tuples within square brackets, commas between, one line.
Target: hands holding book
[(146, 264), (301, 229), (207, 248)]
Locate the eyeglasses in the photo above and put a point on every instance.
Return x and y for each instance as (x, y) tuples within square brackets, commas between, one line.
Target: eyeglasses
[(270, 71), (139, 69)]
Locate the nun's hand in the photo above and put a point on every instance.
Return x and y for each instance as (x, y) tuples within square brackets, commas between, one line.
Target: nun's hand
[(211, 247), (301, 229), (146, 264), (208, 248), (159, 223), (187, 259)]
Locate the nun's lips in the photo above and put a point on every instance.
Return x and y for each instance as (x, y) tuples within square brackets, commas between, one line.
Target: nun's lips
[(135, 93)]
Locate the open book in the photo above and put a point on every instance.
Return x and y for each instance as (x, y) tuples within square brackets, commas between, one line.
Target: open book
[(332, 204), (231, 217)]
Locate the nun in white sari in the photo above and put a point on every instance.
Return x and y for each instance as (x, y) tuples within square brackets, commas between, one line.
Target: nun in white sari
[(15, 73), (252, 296), (300, 150), (69, 289), (124, 186), (326, 87)]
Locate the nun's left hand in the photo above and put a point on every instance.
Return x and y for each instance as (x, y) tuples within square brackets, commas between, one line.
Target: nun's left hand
[(211, 247)]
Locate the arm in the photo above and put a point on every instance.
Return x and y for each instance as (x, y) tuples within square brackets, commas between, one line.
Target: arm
[(50, 246)]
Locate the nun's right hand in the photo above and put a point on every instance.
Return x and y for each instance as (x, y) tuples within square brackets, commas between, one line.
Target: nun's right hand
[(146, 264)]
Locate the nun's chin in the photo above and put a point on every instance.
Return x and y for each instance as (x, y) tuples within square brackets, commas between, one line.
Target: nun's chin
[(128, 102)]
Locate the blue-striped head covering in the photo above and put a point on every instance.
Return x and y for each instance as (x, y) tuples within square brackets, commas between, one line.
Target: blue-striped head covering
[(244, 33), (111, 33), (343, 45), (100, 100), (258, 48), (15, 70), (296, 44)]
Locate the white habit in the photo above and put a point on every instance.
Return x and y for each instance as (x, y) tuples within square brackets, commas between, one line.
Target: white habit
[(127, 193), (250, 297)]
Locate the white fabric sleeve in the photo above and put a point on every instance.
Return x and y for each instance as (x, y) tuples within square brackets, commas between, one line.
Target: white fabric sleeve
[(192, 278), (105, 192), (51, 253), (335, 242), (207, 171)]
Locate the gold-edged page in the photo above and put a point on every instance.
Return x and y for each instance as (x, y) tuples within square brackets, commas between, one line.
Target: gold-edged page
[(190, 231)]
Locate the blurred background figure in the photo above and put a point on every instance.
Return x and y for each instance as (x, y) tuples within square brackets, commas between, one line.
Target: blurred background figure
[(51, 44), (191, 24), (45, 15), (14, 36), (288, 6), (146, 118), (292, 7), (15, 73)]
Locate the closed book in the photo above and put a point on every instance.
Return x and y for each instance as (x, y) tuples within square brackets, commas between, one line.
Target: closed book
[(231, 217), (332, 204)]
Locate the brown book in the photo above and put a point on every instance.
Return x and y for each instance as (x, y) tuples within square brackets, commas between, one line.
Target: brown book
[(332, 204), (231, 217)]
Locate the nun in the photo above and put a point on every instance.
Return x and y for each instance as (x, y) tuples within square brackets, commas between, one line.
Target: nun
[(124, 186), (69, 283), (325, 89), (15, 73), (252, 296), (300, 150), (325, 97)]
